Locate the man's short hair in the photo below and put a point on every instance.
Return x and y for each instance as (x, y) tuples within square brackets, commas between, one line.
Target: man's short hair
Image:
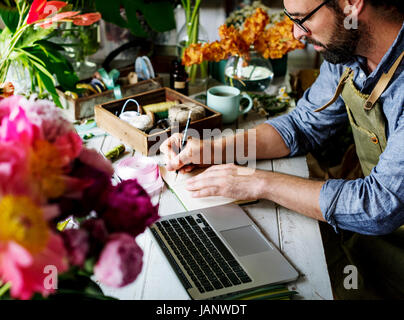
[(394, 7), (397, 5)]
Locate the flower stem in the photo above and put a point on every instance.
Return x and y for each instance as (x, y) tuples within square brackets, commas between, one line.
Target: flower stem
[(4, 288)]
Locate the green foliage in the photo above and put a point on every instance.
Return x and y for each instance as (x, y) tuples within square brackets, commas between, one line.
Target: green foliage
[(159, 15), (30, 47)]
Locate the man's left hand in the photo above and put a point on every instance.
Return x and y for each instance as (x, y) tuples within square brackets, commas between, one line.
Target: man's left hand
[(228, 180)]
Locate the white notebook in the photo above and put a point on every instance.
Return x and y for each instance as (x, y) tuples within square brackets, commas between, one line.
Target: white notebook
[(178, 186)]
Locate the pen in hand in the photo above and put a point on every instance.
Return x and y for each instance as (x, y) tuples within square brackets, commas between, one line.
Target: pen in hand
[(184, 138)]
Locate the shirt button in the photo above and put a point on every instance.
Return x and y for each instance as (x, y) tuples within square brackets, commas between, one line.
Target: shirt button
[(361, 75)]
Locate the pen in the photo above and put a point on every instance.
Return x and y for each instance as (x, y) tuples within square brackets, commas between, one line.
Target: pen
[(184, 138)]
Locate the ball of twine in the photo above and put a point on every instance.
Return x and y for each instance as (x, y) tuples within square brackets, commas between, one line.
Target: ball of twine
[(179, 113)]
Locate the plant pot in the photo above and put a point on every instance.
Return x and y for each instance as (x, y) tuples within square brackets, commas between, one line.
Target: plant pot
[(280, 66)]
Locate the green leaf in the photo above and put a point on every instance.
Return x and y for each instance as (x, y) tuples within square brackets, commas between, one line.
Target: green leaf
[(55, 63), (5, 38), (111, 12), (10, 17), (50, 87), (32, 35), (158, 15)]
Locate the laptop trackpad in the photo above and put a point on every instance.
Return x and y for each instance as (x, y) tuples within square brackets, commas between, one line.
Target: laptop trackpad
[(245, 241)]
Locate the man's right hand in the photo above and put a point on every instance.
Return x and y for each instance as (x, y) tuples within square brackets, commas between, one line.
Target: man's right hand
[(190, 157)]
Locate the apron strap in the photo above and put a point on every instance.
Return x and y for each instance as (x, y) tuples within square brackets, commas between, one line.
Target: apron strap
[(338, 91), (382, 84)]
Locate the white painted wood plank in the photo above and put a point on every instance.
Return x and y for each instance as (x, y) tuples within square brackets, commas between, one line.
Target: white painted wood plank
[(302, 246), (264, 215), (301, 241), (161, 281)]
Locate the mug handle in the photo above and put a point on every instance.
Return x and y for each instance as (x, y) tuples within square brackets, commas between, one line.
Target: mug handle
[(250, 105)]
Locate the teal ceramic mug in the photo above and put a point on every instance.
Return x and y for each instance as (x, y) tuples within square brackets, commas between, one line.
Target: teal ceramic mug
[(226, 100)]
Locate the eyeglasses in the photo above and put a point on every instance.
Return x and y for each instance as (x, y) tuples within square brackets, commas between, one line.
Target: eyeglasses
[(299, 22)]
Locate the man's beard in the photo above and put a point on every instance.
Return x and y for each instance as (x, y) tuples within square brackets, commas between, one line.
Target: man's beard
[(344, 42)]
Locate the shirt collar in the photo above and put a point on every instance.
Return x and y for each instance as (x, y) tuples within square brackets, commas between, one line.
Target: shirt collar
[(387, 61)]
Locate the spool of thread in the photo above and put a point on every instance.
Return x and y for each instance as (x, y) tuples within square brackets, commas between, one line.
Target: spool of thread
[(132, 77), (179, 113), (115, 152)]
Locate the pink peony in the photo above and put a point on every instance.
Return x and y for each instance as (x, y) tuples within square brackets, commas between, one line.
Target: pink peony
[(26, 271), (77, 245), (69, 146), (17, 127), (13, 168), (7, 105), (129, 208), (48, 117), (120, 261), (92, 158)]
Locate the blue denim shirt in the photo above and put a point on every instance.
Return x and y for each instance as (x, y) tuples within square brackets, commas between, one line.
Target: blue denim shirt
[(373, 205)]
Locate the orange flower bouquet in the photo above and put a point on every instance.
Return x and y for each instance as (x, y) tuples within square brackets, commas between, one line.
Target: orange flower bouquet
[(255, 35)]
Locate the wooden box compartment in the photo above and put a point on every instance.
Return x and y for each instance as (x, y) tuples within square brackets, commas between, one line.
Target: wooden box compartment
[(148, 144), (81, 108)]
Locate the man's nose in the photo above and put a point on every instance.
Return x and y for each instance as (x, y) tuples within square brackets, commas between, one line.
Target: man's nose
[(299, 33)]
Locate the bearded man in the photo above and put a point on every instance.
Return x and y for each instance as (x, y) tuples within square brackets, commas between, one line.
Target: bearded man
[(360, 83)]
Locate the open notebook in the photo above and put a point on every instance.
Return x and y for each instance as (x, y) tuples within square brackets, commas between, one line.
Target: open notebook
[(178, 186)]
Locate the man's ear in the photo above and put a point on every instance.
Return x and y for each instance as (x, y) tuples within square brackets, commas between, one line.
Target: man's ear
[(352, 7)]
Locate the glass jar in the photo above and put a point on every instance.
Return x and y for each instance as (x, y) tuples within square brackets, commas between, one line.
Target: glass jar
[(253, 74)]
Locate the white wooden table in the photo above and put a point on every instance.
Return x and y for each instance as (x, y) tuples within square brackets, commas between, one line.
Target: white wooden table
[(297, 237)]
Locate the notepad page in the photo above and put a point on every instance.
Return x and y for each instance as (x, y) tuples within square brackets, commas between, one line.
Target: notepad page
[(178, 186)]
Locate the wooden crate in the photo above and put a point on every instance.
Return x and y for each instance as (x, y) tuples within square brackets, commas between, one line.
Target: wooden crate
[(148, 144), (81, 108)]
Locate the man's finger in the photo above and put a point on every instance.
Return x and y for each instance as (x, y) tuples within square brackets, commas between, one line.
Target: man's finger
[(207, 192)]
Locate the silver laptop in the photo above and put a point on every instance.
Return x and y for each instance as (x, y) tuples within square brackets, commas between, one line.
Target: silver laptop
[(219, 251)]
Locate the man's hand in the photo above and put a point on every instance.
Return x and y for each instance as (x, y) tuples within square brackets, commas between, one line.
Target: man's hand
[(187, 159), (228, 180)]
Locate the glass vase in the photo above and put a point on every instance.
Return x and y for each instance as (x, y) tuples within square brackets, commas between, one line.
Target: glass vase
[(198, 73), (19, 76), (249, 74), (80, 42)]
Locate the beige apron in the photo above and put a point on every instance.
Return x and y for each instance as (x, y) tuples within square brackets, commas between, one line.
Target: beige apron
[(379, 259)]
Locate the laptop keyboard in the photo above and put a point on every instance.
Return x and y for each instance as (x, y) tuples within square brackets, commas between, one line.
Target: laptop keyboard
[(201, 252)]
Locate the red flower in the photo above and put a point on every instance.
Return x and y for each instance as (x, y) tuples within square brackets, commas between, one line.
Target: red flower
[(86, 19), (63, 16), (41, 9)]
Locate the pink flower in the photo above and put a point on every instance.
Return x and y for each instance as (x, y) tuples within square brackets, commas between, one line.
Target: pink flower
[(69, 146), (26, 271), (92, 158), (17, 127), (129, 209), (48, 117), (77, 245), (13, 168), (120, 261)]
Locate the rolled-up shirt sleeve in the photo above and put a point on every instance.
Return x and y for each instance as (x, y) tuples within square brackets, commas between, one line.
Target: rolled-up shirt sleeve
[(303, 130), (373, 205)]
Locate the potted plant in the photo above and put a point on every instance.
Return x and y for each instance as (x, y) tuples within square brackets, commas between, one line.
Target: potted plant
[(25, 44)]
